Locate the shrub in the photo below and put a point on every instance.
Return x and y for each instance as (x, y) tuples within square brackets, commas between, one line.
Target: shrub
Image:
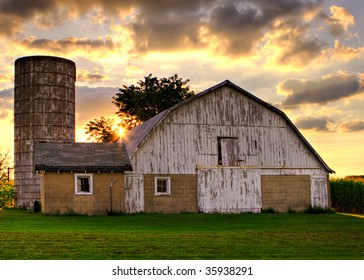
[(318, 210), (6, 195), (269, 210), (347, 195)]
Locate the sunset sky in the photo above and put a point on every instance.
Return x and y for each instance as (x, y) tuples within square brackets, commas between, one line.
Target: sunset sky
[(305, 57)]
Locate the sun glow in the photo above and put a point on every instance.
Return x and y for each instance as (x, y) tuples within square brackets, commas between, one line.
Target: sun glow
[(121, 131)]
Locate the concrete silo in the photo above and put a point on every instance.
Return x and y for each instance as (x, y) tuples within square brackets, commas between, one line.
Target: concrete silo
[(44, 110)]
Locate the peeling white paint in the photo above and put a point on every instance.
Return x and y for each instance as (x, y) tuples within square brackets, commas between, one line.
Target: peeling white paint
[(227, 190), (230, 141), (134, 192)]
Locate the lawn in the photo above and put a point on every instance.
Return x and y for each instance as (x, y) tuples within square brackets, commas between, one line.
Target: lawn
[(25, 235)]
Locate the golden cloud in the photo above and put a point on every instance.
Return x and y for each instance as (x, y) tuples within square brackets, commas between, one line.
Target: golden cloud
[(343, 53), (91, 77), (6, 78), (287, 45), (353, 126), (315, 123), (340, 22), (342, 16), (71, 45)]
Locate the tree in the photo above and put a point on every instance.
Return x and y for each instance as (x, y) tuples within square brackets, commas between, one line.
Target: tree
[(4, 166), (6, 188), (151, 96), (102, 130), (6, 194), (127, 122), (137, 104)]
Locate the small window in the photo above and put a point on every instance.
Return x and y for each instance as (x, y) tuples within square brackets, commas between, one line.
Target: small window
[(83, 183), (162, 186)]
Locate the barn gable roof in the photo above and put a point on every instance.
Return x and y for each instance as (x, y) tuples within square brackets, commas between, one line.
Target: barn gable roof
[(136, 137), (81, 157)]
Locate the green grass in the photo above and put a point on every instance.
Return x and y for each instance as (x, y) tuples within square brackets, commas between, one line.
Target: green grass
[(25, 235)]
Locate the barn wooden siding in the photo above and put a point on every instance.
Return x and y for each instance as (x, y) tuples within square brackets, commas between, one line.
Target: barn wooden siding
[(188, 137), (229, 190), (229, 140), (238, 189)]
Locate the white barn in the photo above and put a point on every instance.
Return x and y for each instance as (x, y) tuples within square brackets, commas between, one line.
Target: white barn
[(223, 150)]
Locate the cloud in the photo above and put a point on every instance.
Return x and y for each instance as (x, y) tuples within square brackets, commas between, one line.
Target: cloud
[(9, 25), (48, 13), (353, 126), (6, 78), (288, 43), (161, 36), (230, 27), (312, 123), (167, 25), (14, 13), (7, 93), (340, 21), (69, 44), (340, 52), (91, 77), (6, 103), (328, 88), (242, 25)]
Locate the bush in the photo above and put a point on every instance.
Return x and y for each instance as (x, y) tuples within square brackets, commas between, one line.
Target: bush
[(347, 195), (291, 211), (6, 195), (318, 210), (268, 210)]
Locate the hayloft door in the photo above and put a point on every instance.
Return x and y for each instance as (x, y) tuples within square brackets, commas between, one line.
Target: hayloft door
[(228, 151)]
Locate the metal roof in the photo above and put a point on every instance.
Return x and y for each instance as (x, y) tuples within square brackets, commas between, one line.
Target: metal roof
[(135, 137), (81, 157)]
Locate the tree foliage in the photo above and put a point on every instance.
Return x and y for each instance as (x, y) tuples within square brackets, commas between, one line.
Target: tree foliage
[(151, 96), (102, 130), (6, 188), (4, 165), (128, 122), (139, 103), (6, 194)]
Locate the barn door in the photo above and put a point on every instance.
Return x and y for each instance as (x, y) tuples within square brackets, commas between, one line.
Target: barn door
[(228, 151), (228, 190), (134, 193), (319, 191)]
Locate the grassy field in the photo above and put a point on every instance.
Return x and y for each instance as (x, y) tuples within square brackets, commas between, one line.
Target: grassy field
[(25, 235)]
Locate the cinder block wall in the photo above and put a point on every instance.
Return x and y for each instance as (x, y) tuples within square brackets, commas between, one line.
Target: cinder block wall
[(58, 194), (183, 197), (284, 192)]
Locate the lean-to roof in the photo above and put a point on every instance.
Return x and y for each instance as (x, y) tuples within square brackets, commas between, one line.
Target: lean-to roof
[(81, 157)]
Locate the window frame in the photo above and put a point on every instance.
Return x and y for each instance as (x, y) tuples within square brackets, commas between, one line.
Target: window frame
[(168, 186), (84, 175)]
